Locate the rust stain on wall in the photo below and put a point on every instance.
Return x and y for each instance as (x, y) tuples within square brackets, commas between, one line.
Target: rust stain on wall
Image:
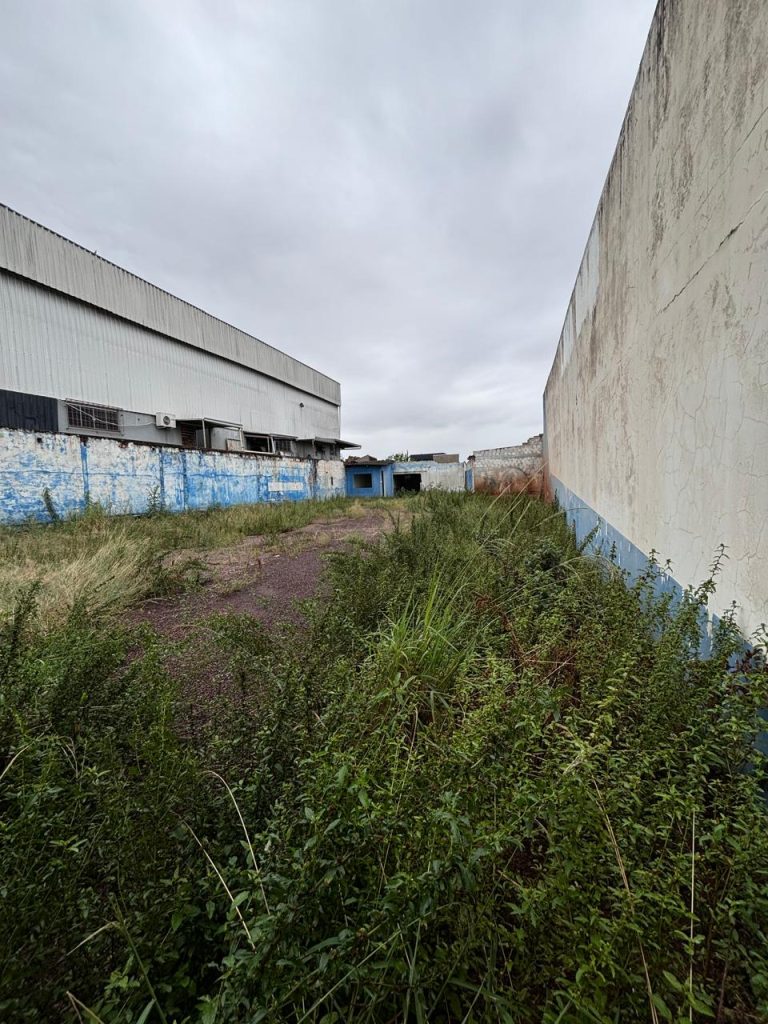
[(517, 469)]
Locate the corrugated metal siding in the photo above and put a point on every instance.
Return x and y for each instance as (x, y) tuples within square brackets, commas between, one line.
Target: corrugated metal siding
[(52, 345), (28, 412), (32, 251)]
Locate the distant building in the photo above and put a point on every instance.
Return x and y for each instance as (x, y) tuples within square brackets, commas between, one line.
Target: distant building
[(433, 457), (384, 478)]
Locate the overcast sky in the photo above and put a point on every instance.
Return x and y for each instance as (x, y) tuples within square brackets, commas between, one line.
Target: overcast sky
[(397, 192)]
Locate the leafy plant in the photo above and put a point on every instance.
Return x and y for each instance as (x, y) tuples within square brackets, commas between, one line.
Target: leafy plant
[(491, 782)]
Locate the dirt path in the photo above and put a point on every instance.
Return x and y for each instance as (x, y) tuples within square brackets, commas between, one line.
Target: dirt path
[(261, 576)]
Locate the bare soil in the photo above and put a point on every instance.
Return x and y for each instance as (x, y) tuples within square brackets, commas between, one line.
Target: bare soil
[(265, 577)]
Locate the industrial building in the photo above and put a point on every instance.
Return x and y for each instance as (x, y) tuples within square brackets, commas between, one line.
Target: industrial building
[(90, 349), (656, 408), (113, 390)]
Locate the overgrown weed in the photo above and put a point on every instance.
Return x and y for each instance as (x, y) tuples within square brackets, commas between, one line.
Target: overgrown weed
[(492, 782)]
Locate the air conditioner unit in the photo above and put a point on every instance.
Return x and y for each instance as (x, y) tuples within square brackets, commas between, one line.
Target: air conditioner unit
[(165, 420)]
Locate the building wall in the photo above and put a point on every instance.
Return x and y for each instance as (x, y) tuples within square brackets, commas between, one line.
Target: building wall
[(435, 476), (656, 408), (510, 470), (31, 251), (126, 477), (356, 476), (55, 346)]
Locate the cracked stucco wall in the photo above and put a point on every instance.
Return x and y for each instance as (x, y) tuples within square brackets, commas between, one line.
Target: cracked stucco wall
[(656, 408)]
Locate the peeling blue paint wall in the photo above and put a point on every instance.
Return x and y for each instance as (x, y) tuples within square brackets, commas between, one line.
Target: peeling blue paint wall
[(448, 476), (378, 489), (127, 477)]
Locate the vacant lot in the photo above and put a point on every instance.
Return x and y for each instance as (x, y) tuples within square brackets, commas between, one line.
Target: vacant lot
[(110, 563), (478, 778)]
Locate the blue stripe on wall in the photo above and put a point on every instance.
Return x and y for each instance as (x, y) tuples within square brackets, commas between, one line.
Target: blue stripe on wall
[(612, 544), (126, 477)]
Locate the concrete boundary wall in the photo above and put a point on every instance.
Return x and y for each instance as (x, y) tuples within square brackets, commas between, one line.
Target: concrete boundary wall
[(510, 470), (656, 408), (127, 477)]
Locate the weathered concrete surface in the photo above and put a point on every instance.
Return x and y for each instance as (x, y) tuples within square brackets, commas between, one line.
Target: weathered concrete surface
[(126, 477), (512, 470), (656, 408), (435, 476)]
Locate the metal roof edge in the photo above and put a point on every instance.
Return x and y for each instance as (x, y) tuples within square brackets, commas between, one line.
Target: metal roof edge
[(92, 255)]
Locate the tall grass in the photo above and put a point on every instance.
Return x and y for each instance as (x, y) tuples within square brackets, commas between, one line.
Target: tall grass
[(115, 560), (491, 783), (108, 575)]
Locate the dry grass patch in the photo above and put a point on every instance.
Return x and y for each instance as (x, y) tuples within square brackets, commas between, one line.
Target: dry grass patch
[(112, 575)]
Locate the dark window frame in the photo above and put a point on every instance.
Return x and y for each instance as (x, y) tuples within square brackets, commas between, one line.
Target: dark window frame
[(264, 441)]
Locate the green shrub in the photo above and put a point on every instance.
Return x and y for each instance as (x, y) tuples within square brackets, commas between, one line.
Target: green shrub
[(490, 782)]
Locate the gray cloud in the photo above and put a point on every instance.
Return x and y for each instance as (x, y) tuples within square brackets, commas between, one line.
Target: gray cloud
[(398, 193)]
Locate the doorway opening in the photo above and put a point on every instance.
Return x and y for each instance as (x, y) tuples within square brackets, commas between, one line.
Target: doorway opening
[(407, 482)]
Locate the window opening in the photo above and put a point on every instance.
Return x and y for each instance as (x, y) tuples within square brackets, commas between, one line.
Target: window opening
[(258, 443), (189, 433), (93, 417), (286, 445)]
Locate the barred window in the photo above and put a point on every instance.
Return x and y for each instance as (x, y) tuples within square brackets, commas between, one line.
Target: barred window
[(93, 417)]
